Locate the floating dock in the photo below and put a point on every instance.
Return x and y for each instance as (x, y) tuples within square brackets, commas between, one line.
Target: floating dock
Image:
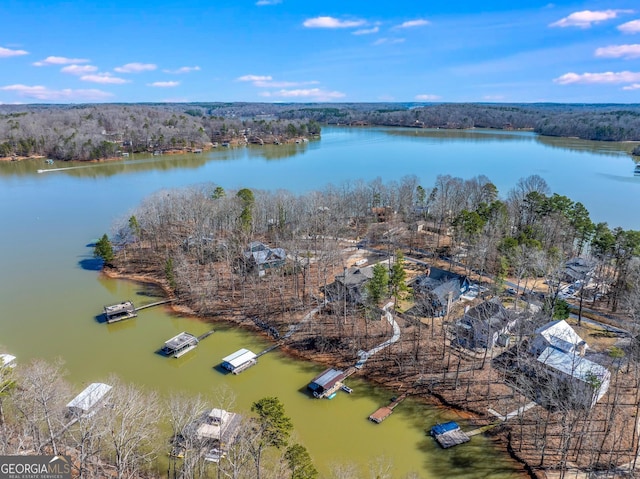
[(385, 411), (449, 434), (120, 311)]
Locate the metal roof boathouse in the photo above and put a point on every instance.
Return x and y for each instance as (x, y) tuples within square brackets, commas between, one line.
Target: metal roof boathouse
[(327, 383), (239, 361), (87, 402)]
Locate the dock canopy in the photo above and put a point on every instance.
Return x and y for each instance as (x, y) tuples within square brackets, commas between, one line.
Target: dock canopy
[(238, 359), (86, 402), (180, 344), (445, 427), (325, 381)]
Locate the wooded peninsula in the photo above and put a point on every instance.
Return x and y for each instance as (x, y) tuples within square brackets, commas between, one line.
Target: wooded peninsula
[(100, 131), (519, 310)]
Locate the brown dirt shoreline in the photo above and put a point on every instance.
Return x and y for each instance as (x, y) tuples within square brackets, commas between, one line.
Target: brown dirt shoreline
[(433, 399)]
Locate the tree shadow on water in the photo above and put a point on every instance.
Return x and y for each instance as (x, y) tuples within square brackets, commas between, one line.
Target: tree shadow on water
[(91, 264)]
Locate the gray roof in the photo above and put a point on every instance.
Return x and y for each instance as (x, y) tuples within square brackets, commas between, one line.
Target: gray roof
[(573, 365), (355, 276), (262, 254), (560, 335), (579, 268), (328, 378), (490, 315), (88, 398)]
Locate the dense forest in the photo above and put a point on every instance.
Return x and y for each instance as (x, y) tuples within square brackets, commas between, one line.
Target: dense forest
[(194, 241), (86, 132)]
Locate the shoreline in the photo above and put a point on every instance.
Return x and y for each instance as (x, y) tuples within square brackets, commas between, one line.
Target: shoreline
[(433, 399)]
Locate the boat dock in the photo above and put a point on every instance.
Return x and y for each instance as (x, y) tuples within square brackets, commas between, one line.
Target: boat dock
[(120, 311), (180, 344), (449, 434), (385, 411), (126, 310)]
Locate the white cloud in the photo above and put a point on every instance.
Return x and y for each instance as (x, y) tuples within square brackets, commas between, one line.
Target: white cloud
[(183, 70), (619, 51), (599, 78), (635, 86), (254, 78), (39, 92), (136, 67), (283, 84), (262, 3), (316, 94), (104, 78), (59, 61), (427, 97), (78, 69), (367, 31), (164, 84), (420, 22), (585, 18), (331, 22), (388, 41), (630, 27), (8, 52), (493, 97)]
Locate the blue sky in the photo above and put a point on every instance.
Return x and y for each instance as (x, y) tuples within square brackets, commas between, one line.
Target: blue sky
[(302, 51)]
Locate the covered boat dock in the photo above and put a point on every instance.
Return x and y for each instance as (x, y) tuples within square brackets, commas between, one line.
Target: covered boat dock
[(239, 361), (120, 311), (179, 345), (86, 403), (449, 434), (327, 383)]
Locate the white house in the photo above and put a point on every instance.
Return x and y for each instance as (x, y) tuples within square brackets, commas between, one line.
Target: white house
[(559, 351), (559, 335)]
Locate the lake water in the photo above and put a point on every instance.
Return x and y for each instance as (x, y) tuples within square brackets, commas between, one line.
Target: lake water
[(50, 295)]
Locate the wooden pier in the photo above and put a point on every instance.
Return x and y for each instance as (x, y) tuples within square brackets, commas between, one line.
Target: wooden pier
[(151, 305), (385, 411)]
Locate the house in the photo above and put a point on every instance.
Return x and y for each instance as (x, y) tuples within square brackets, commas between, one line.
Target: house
[(442, 287), (88, 401), (578, 269), (326, 383), (559, 353), (350, 285), (260, 257), (558, 335), (482, 325), (239, 361)]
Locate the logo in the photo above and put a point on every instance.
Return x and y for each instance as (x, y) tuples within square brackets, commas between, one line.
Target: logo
[(35, 467)]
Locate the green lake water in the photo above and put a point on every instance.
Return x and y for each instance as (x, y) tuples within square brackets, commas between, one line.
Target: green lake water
[(51, 293)]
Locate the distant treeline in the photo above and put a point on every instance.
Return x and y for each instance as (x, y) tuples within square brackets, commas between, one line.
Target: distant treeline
[(87, 132), (104, 131)]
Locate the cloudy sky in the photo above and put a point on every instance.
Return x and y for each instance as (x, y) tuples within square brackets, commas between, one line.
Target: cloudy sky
[(292, 50)]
